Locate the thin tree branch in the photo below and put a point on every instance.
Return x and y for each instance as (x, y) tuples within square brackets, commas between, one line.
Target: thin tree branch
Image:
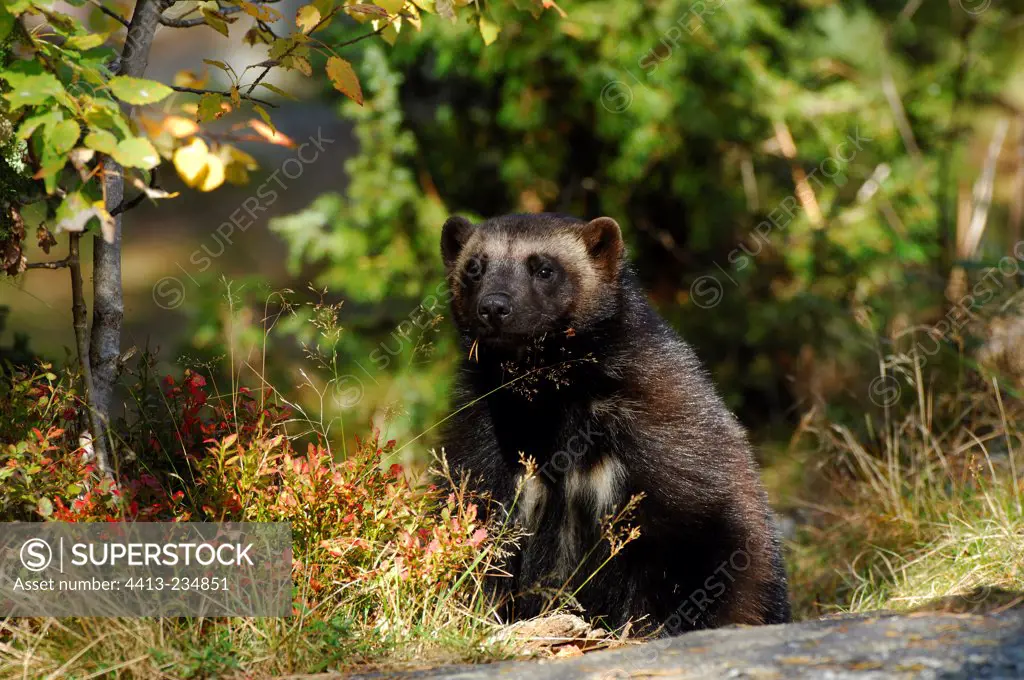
[(125, 206), (198, 21), (109, 12), (56, 264), (196, 90), (364, 36), (323, 19)]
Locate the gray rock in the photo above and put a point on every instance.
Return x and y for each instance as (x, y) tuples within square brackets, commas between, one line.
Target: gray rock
[(922, 645)]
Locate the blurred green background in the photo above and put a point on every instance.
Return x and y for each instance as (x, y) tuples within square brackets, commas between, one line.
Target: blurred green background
[(794, 179)]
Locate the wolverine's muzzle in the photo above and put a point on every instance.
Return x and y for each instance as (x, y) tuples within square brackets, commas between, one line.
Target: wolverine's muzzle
[(494, 309)]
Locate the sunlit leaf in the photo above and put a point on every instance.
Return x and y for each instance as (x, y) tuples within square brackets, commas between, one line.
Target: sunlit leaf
[(187, 78), (307, 18), (271, 134), (74, 212), (210, 107), (34, 90), (30, 125), (264, 115), (136, 152), (179, 127), (391, 31), (219, 64), (152, 192), (138, 91), (88, 41), (101, 141), (390, 6), (344, 79), (62, 136), (197, 167), (261, 12), (278, 91), (302, 65), (488, 30), (216, 21)]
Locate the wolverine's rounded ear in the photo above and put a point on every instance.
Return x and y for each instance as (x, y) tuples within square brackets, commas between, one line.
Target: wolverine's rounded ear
[(603, 239), (454, 234)]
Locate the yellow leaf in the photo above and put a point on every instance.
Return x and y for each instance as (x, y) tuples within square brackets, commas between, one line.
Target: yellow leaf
[(391, 31), (270, 134), (214, 174), (488, 30), (236, 155), (261, 12), (302, 65), (180, 127), (197, 167), (344, 79), (188, 78), (307, 18), (392, 6), (190, 162)]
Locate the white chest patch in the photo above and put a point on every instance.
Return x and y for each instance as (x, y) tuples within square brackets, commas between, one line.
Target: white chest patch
[(533, 496), (591, 494), (598, 489)]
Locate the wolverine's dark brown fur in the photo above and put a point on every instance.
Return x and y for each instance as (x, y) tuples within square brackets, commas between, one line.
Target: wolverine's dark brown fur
[(567, 363)]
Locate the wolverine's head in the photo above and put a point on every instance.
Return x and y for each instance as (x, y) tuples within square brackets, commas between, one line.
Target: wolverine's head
[(515, 277)]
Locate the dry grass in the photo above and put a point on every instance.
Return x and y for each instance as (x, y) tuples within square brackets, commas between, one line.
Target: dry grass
[(924, 500)]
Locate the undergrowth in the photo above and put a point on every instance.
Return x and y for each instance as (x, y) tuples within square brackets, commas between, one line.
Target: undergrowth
[(919, 506), (386, 566)]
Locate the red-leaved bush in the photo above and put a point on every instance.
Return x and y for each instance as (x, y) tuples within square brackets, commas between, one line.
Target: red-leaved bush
[(357, 521)]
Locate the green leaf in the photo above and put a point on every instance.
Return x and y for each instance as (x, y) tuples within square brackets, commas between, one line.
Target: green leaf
[(74, 212), (344, 79), (216, 21), (210, 107), (44, 507), (136, 152), (219, 64), (88, 41), (138, 90), (102, 141), (34, 90), (264, 115), (30, 125), (278, 91), (62, 136), (281, 47), (6, 24)]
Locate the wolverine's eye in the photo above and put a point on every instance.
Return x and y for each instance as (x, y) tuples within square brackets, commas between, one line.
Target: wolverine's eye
[(542, 268), (474, 269)]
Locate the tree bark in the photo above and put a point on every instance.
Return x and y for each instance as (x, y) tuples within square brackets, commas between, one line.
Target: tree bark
[(80, 314), (108, 297)]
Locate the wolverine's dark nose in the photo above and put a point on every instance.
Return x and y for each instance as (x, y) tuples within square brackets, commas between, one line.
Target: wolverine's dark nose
[(494, 308)]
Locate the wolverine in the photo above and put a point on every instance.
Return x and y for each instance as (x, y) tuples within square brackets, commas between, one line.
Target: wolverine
[(566, 363)]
